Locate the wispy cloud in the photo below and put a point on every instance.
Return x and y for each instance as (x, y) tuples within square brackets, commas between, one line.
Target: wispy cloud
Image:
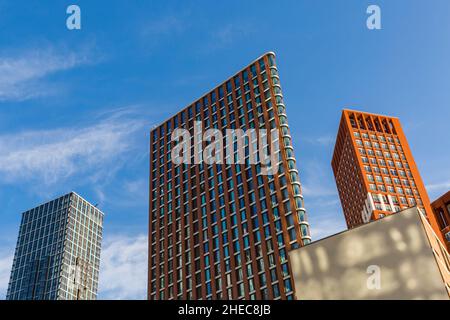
[(317, 180), (321, 200), (164, 26), (226, 35), (123, 272), (163, 29), (6, 260), (327, 226), (22, 73), (229, 34), (49, 156), (132, 195), (137, 188), (316, 189), (322, 141), (325, 216), (435, 190), (439, 186)]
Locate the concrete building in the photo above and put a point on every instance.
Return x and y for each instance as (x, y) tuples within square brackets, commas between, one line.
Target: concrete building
[(57, 255), (397, 257)]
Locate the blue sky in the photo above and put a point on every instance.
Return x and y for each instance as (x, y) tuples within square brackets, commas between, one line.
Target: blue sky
[(76, 106)]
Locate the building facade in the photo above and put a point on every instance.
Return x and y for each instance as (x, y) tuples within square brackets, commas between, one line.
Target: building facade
[(375, 171), (399, 257), (441, 209), (57, 255), (221, 230)]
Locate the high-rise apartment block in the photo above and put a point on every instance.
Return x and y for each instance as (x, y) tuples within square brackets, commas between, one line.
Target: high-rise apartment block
[(223, 230), (58, 252), (441, 209), (375, 171)]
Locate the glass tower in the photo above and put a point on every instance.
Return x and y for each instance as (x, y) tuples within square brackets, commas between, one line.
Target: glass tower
[(57, 255), (222, 231)]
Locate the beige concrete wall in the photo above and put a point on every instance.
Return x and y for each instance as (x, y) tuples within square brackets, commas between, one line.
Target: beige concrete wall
[(386, 259)]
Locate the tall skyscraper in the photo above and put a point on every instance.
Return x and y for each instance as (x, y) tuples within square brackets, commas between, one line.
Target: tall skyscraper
[(58, 251), (375, 171), (441, 209), (223, 230)]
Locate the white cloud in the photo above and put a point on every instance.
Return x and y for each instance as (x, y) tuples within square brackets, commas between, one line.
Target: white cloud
[(164, 26), (326, 226), (321, 200), (322, 141), (6, 260), (317, 180), (439, 187), (324, 216), (123, 271), (163, 29), (21, 74), (136, 186), (228, 34), (316, 189), (49, 156)]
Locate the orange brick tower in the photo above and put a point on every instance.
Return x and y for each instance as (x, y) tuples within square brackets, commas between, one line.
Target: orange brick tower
[(375, 171)]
